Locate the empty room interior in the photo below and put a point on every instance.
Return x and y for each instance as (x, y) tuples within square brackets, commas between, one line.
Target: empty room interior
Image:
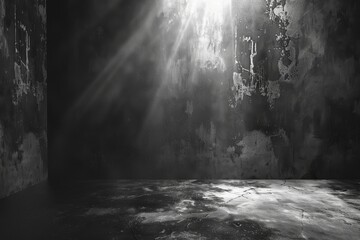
[(180, 119)]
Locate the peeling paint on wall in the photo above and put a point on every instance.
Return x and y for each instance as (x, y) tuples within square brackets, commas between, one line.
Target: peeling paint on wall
[(22, 87), (4, 49), (23, 84), (23, 140)]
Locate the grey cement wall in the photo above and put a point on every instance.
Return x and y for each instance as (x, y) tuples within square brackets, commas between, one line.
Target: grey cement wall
[(267, 89), (23, 76)]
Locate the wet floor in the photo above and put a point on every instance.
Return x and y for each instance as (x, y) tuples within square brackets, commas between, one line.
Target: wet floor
[(222, 209)]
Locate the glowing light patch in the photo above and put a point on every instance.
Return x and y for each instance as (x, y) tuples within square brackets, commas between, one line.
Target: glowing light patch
[(205, 19)]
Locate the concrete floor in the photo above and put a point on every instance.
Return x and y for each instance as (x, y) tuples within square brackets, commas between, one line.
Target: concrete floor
[(185, 210)]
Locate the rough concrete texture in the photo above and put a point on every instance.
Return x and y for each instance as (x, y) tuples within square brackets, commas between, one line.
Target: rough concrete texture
[(23, 139), (210, 89), (257, 210)]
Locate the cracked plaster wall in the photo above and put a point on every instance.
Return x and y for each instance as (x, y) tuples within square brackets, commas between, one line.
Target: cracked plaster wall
[(23, 76)]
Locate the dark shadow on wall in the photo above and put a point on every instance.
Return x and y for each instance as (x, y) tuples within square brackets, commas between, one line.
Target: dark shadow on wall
[(127, 100)]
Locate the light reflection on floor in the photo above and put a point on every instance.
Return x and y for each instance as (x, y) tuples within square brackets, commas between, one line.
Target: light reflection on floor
[(293, 209), (193, 209)]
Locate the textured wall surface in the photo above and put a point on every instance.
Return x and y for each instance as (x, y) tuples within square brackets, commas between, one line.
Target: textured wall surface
[(23, 139), (212, 89)]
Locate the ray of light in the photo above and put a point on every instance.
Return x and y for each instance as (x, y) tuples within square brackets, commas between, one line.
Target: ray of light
[(213, 14), (99, 88), (180, 36), (205, 17)]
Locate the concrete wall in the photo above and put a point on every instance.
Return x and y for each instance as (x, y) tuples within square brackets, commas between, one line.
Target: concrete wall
[(259, 89), (23, 75)]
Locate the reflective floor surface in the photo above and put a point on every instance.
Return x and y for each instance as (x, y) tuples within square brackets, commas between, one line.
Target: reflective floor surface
[(192, 209)]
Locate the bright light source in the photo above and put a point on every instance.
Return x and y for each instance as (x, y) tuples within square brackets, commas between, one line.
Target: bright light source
[(213, 10), (207, 19)]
